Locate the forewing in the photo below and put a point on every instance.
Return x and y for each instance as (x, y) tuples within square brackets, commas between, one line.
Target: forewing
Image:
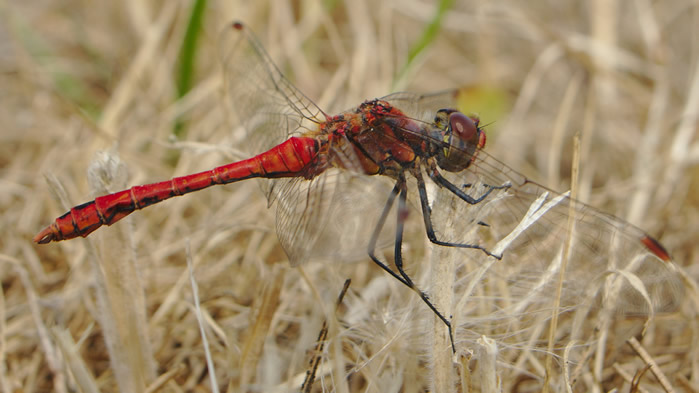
[(269, 107), (541, 234)]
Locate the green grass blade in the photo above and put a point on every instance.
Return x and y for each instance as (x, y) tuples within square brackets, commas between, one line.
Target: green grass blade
[(428, 35), (188, 55)]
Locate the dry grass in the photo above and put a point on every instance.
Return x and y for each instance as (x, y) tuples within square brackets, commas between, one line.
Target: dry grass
[(116, 312)]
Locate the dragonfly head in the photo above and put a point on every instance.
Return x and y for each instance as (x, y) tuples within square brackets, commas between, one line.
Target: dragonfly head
[(461, 139)]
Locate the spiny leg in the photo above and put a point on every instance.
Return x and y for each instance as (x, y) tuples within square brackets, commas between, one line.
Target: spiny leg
[(401, 188), (441, 181), (377, 230), (427, 217), (398, 258)]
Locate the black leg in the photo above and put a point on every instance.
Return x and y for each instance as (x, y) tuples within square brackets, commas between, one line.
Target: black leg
[(427, 214), (441, 181), (402, 190), (377, 232), (398, 256)]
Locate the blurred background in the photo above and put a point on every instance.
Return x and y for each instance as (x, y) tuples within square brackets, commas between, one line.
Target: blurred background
[(97, 95)]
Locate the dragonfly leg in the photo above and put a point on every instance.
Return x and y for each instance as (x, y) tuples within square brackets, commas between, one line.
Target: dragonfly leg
[(401, 190), (441, 181), (398, 258), (427, 213), (377, 230)]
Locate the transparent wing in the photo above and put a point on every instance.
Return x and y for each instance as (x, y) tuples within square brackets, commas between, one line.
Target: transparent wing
[(322, 218), (541, 235), (265, 102)]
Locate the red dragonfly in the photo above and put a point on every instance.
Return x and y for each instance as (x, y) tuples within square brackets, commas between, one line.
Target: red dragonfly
[(322, 167)]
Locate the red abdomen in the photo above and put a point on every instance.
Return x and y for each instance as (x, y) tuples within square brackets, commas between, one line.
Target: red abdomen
[(294, 157)]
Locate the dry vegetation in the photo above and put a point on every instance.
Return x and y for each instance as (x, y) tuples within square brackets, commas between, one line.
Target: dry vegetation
[(116, 312)]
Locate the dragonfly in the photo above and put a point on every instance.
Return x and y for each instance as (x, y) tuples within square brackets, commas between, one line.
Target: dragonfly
[(326, 173)]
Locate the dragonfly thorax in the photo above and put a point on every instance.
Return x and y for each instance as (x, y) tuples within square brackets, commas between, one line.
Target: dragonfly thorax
[(460, 139)]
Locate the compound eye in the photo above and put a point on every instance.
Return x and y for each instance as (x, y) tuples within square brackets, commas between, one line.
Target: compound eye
[(462, 139), (463, 126)]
